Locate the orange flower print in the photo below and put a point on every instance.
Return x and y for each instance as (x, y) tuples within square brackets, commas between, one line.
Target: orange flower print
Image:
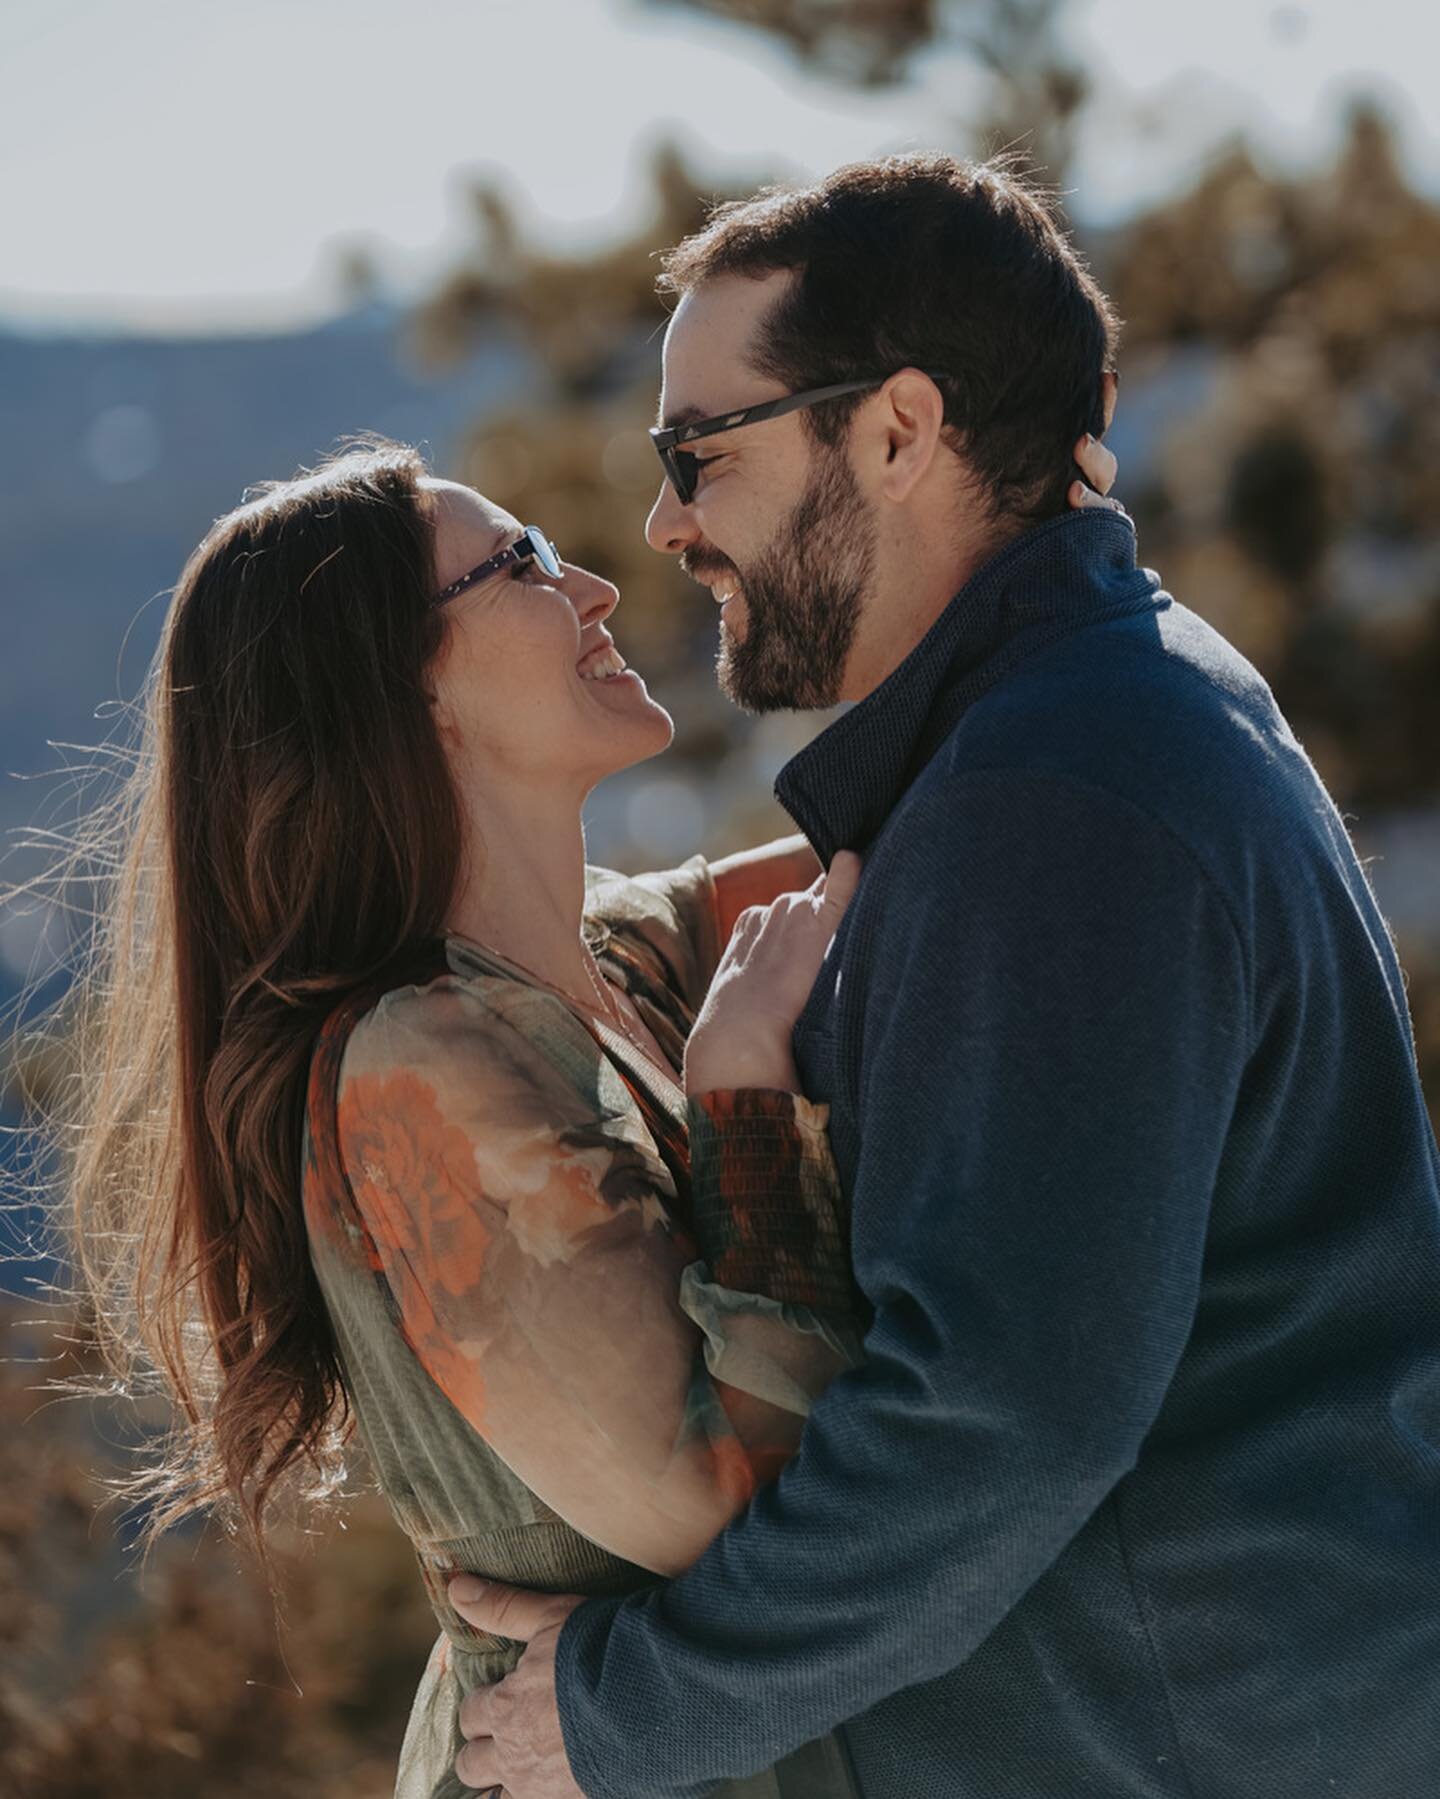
[(408, 1167)]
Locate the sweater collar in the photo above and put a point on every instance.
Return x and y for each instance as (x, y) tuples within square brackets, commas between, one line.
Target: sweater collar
[(1043, 585)]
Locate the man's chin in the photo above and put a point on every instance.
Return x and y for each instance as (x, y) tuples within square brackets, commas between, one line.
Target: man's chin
[(735, 678), (750, 687), (764, 672)]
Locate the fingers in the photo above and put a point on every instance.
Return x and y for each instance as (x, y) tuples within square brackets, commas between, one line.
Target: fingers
[(835, 886), (841, 879), (478, 1763), (505, 1611), (1096, 463), (1083, 500), (748, 924), (833, 889)]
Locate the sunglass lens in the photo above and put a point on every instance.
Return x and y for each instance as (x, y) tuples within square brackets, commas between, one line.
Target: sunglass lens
[(545, 552)]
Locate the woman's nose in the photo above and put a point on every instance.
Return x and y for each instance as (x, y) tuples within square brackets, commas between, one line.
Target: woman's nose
[(670, 527), (592, 597)]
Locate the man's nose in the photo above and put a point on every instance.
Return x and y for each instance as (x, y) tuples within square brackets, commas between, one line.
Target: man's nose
[(670, 527)]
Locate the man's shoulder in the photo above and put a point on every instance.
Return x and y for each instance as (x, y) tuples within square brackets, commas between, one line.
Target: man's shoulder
[(1128, 732), (1132, 683), (1159, 711)]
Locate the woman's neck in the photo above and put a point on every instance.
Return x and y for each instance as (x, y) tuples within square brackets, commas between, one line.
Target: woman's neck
[(524, 890)]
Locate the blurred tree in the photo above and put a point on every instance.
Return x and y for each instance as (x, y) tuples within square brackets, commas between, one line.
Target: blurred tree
[(1031, 87), (867, 42), (1296, 505), (356, 274), (177, 1682), (1294, 499)]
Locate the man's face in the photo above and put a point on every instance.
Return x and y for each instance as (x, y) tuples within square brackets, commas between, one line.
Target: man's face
[(778, 528)]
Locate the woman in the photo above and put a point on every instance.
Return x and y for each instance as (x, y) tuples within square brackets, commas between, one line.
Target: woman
[(389, 1101)]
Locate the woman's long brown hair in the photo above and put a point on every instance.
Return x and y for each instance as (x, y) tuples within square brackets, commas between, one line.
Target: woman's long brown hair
[(288, 832)]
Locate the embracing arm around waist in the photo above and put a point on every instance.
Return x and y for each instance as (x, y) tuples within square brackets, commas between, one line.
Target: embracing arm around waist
[(517, 1209)]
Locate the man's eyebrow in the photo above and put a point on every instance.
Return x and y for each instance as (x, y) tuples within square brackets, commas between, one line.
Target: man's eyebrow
[(684, 415)]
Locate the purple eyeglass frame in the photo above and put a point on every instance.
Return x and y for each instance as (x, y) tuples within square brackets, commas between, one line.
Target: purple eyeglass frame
[(532, 541)]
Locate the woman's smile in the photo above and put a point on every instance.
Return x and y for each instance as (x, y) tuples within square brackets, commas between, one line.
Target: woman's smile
[(602, 665)]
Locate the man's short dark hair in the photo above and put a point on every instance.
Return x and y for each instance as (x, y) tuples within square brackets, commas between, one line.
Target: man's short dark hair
[(927, 261)]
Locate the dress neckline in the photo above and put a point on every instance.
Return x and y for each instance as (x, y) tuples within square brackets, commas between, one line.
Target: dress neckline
[(614, 1043)]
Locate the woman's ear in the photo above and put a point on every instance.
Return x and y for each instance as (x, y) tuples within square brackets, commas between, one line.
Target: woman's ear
[(1109, 390)]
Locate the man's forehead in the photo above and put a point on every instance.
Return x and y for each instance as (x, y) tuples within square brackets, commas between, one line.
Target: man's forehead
[(706, 362)]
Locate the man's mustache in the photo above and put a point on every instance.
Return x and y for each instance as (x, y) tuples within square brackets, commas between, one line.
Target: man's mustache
[(705, 568)]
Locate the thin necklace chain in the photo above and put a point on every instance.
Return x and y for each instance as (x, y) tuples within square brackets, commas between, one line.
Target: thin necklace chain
[(609, 1006), (609, 1003)]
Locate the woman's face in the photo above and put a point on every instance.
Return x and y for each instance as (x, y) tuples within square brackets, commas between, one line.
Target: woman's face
[(517, 685)]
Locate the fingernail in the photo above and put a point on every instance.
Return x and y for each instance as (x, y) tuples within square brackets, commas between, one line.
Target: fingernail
[(466, 1588)]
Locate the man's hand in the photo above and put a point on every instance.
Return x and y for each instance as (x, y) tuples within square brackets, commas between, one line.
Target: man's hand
[(513, 1744)]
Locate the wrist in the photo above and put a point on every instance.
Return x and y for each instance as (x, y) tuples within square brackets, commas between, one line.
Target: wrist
[(755, 1065)]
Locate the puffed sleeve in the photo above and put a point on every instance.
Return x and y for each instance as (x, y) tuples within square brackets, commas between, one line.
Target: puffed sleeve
[(518, 1212)]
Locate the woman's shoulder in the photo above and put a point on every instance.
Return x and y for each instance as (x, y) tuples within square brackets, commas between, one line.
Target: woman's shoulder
[(458, 1010), (471, 1087), (483, 1047), (670, 912)]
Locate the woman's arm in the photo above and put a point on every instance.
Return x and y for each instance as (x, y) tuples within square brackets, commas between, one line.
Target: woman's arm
[(515, 1206)]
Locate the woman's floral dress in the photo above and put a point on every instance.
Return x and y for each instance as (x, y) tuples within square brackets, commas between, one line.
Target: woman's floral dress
[(561, 1291)]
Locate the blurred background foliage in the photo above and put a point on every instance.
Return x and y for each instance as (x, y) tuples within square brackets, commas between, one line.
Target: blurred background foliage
[(1279, 441)]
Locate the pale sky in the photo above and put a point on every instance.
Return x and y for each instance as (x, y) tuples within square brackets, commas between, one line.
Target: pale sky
[(188, 165)]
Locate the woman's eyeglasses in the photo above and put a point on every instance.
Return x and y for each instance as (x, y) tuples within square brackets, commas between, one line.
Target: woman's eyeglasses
[(532, 541), (683, 468)]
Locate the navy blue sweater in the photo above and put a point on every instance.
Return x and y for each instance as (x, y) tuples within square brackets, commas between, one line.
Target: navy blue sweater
[(1138, 1493)]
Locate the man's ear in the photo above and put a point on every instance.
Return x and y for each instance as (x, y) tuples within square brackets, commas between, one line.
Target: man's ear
[(912, 417), (1109, 389)]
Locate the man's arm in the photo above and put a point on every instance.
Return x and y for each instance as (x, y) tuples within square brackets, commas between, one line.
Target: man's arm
[(754, 877), (1054, 1027)]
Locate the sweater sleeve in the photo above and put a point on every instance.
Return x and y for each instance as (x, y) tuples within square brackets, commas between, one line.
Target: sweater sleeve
[(515, 1207), (1052, 1026)]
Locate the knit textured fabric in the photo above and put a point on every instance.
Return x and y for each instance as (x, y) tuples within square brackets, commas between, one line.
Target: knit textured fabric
[(1137, 1493)]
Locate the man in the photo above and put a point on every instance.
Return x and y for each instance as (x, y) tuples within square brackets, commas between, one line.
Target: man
[(1138, 1493)]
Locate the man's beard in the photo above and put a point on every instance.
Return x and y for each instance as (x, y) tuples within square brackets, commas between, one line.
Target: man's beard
[(803, 599)]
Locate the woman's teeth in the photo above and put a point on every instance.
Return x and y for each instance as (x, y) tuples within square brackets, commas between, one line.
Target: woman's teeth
[(604, 665)]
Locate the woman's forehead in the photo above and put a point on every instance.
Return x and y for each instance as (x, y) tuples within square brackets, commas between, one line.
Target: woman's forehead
[(468, 527)]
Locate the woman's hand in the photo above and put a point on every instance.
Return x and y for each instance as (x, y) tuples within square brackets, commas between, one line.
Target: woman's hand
[(742, 1035), (1098, 466)]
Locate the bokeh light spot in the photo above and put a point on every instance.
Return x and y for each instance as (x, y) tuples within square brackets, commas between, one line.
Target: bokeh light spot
[(122, 444)]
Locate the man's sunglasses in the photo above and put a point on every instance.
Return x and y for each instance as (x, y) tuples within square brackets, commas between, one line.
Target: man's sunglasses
[(532, 541), (683, 467)]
